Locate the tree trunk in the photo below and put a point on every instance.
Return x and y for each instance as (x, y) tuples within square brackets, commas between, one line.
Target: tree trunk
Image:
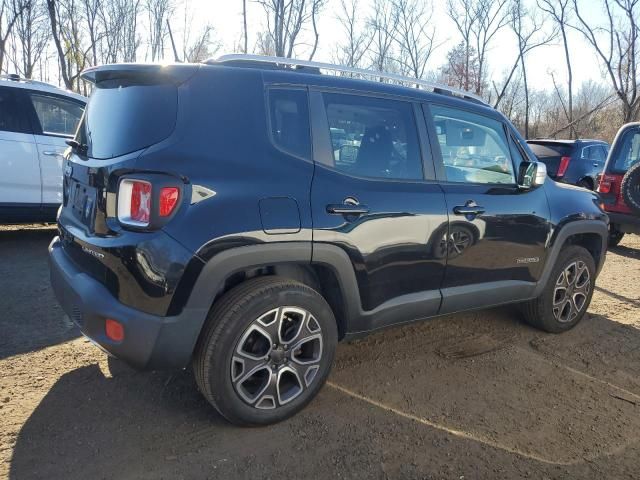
[(244, 19), (51, 7), (569, 80)]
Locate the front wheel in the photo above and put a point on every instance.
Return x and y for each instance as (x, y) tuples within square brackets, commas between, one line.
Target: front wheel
[(567, 295), (266, 350)]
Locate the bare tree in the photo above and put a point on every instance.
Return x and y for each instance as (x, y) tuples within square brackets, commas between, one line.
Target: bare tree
[(9, 15), (286, 21), (357, 37), (414, 35), (490, 17), (560, 11), (464, 15), (530, 34), (616, 43), (158, 12), (31, 33), (382, 24)]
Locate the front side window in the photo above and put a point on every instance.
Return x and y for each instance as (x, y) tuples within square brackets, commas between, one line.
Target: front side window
[(373, 137), (289, 115), (57, 116), (474, 147)]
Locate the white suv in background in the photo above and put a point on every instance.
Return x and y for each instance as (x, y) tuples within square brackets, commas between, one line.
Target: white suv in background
[(36, 119)]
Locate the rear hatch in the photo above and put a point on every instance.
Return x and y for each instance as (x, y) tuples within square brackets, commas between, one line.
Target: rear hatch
[(131, 108), (551, 153)]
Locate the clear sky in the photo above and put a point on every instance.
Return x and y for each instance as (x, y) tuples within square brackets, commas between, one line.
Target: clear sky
[(226, 17)]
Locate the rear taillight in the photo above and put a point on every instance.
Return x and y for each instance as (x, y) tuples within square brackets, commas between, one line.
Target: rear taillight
[(147, 203), (564, 164), (606, 183), (168, 200), (134, 202)]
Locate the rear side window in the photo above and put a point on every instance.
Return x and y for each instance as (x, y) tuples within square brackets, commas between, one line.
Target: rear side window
[(373, 137), (628, 154), (474, 147), (546, 150), (289, 117), (594, 153), (11, 118), (125, 115), (57, 116)]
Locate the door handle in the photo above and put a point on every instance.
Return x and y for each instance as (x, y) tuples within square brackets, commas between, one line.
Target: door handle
[(349, 206), (469, 208), (596, 164), (53, 154)]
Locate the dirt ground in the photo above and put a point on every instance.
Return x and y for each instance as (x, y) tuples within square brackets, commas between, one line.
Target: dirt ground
[(478, 395)]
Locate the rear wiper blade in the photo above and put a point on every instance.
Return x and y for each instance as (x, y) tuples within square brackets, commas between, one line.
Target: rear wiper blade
[(77, 146)]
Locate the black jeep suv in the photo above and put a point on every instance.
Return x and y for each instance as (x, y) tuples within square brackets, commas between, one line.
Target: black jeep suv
[(578, 162), (211, 219)]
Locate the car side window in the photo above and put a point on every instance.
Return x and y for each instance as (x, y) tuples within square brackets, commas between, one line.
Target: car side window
[(11, 119), (56, 115), (474, 147), (373, 137), (289, 115), (599, 154)]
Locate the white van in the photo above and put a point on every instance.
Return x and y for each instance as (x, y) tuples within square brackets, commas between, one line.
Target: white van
[(36, 119)]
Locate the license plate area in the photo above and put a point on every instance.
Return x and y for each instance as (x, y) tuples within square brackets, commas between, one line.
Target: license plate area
[(83, 202)]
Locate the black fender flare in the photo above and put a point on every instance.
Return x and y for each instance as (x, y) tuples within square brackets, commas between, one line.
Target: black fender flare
[(558, 240), (218, 269)]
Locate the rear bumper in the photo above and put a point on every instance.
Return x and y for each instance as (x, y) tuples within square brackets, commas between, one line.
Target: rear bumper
[(625, 222), (150, 341)]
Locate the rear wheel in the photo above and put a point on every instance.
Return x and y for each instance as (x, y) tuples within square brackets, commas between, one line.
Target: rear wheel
[(615, 236), (266, 350), (567, 295)]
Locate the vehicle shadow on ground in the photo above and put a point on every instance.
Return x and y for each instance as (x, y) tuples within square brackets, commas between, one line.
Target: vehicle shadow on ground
[(617, 296), (30, 317), (625, 251), (122, 423)]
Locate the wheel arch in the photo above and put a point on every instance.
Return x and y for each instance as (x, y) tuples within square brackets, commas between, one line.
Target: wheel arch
[(589, 234), (331, 274)]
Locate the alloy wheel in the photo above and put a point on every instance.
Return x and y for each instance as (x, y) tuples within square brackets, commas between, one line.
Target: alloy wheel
[(571, 291), (277, 357)]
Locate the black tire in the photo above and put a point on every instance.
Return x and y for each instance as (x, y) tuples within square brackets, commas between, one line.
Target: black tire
[(542, 313), (630, 188), (585, 183), (237, 323), (615, 236)]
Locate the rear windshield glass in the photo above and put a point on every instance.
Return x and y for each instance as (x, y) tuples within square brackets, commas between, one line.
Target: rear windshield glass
[(123, 116), (628, 154), (544, 150)]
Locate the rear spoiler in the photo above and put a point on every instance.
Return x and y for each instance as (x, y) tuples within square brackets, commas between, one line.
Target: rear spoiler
[(176, 73)]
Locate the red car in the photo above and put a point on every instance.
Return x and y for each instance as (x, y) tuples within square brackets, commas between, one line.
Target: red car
[(619, 184)]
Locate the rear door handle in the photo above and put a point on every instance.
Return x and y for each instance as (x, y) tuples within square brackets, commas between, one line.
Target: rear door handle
[(349, 206), (470, 208)]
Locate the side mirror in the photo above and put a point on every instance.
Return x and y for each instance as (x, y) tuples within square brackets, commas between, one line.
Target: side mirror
[(532, 174)]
